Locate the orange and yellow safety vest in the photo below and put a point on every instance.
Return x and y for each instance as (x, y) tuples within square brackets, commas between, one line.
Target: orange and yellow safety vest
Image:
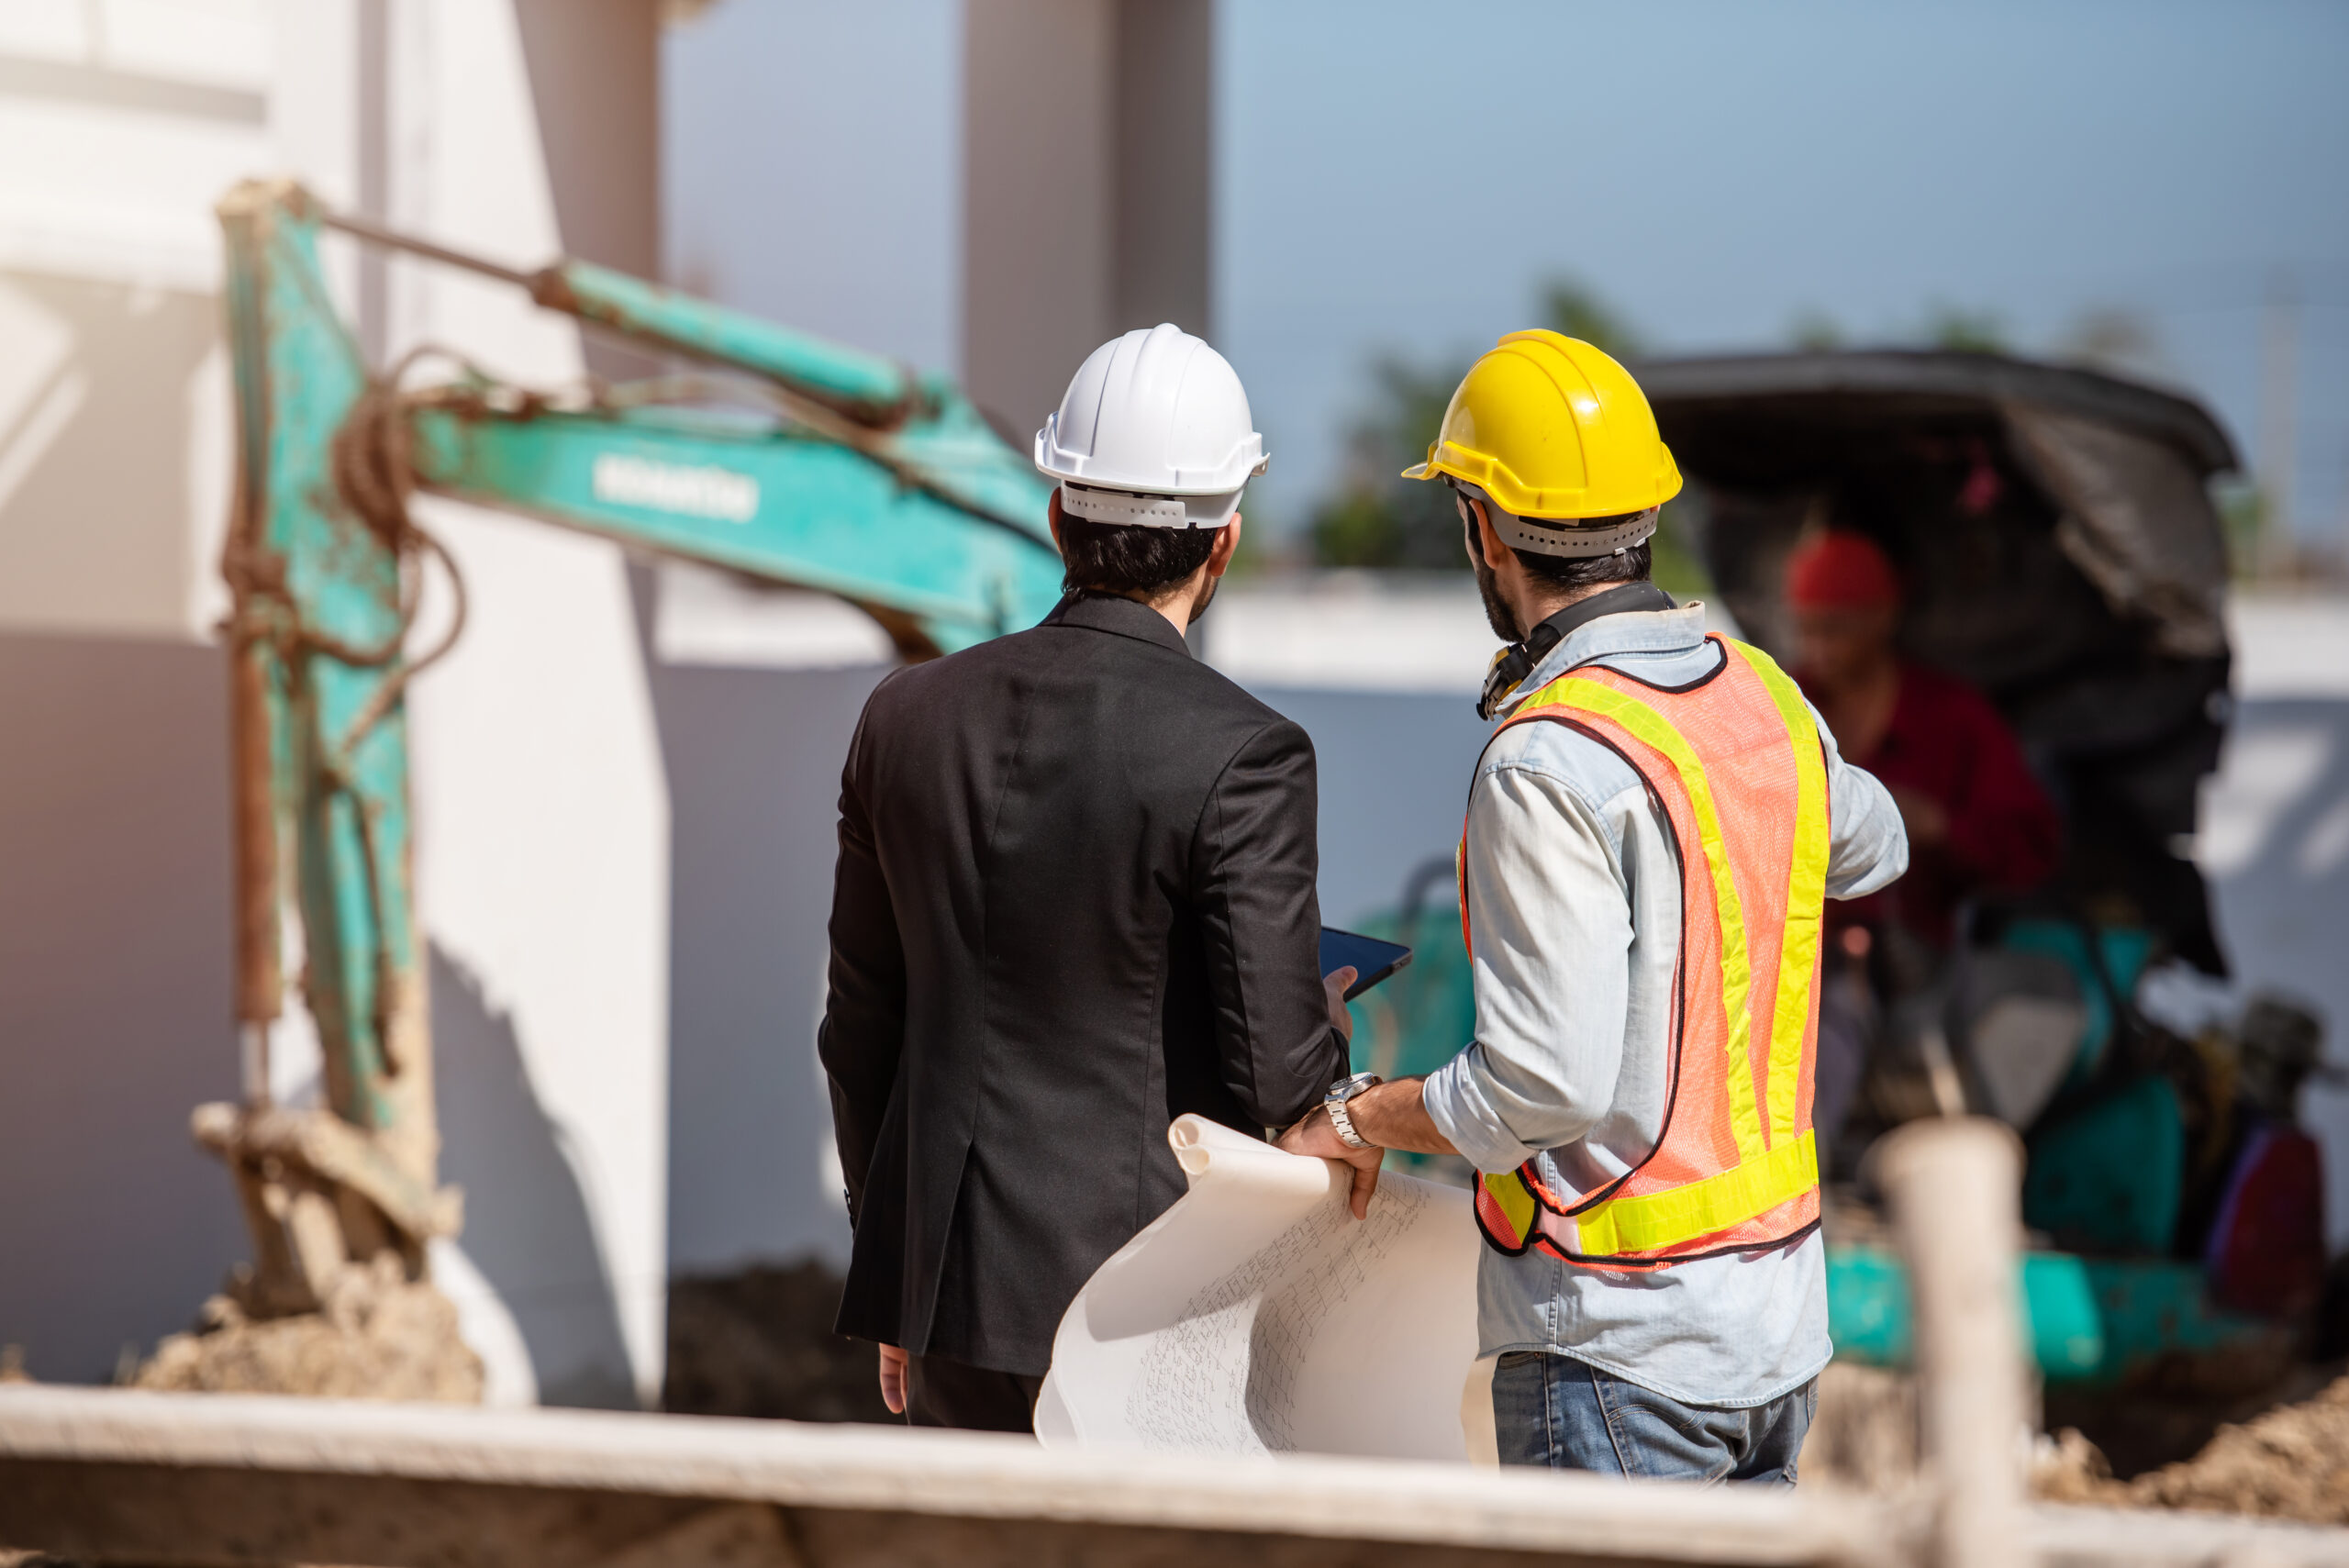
[(1735, 765)]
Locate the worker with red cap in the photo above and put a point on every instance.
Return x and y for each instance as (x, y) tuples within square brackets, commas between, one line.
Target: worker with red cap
[(1977, 820)]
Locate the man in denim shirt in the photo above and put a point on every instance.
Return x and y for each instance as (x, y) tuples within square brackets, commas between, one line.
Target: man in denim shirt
[(1700, 1364)]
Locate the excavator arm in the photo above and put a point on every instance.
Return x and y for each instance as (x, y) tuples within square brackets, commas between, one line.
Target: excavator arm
[(768, 453)]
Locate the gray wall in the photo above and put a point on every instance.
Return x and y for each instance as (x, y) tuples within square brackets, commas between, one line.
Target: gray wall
[(1394, 771), (115, 1008), (754, 762)]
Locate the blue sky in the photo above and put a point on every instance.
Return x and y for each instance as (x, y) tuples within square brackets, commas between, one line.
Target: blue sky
[(1402, 176)]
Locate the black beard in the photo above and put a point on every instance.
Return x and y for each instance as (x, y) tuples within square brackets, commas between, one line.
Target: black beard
[(1205, 600), (1497, 615)]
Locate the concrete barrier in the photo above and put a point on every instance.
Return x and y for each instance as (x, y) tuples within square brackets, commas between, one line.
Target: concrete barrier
[(110, 1476)]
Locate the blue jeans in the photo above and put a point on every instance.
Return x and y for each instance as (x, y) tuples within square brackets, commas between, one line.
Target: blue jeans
[(1567, 1414)]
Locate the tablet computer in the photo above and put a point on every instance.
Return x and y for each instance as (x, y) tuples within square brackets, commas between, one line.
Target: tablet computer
[(1373, 960)]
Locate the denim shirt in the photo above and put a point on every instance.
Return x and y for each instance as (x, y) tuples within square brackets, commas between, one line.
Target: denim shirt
[(1574, 896)]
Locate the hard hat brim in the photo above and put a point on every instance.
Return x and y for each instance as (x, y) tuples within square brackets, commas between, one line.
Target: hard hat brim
[(1448, 461)]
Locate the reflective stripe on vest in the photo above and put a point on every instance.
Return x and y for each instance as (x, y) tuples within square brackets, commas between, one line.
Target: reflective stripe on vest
[(1735, 761)]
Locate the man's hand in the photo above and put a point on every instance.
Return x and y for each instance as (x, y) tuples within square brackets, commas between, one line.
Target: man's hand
[(1924, 818), (1315, 1136), (1334, 988), (893, 1379)]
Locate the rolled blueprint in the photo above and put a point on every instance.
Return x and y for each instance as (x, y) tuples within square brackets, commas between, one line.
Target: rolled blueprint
[(1258, 1315)]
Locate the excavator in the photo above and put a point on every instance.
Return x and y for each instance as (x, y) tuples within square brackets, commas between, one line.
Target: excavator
[(759, 450)]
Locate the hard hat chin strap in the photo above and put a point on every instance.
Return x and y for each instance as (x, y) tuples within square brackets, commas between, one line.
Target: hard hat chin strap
[(1573, 538)]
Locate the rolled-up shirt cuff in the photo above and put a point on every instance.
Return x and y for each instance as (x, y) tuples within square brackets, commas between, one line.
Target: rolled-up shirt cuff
[(1456, 1101)]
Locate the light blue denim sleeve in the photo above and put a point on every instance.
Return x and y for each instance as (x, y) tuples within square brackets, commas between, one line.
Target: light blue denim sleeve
[(1869, 849), (1551, 921)]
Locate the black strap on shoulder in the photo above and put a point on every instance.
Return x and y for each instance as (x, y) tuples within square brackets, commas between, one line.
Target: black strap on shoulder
[(1516, 660)]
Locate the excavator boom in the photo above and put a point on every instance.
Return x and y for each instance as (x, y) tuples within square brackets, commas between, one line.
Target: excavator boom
[(772, 454)]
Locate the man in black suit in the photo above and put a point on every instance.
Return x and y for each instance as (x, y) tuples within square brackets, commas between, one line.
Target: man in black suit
[(1075, 901)]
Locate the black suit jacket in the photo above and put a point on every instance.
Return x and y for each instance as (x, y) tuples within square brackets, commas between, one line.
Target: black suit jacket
[(1075, 899)]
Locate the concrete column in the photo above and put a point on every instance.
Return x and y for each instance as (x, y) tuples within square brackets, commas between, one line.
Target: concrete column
[(1086, 188), (595, 81), (521, 130), (1163, 211), (1954, 1184)]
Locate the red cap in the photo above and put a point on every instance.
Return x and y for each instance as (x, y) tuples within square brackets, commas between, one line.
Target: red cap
[(1840, 570)]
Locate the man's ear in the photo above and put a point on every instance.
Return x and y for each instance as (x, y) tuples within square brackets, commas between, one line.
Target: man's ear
[(1052, 515), (1226, 546), (1489, 538), (1472, 529)]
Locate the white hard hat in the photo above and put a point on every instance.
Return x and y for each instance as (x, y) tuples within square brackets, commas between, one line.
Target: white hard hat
[(1155, 430)]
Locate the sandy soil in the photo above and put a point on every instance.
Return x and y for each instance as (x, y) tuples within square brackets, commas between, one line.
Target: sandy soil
[(2291, 1464), (393, 1340), (1863, 1435), (2288, 1463)]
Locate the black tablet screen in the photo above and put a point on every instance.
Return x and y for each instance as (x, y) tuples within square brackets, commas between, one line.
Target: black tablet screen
[(1373, 960)]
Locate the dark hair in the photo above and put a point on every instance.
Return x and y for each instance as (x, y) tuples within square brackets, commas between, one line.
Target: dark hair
[(1590, 571), (1130, 557), (1633, 566)]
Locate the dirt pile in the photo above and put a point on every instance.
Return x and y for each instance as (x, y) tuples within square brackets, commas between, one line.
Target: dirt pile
[(2291, 1464), (387, 1337), (2290, 1461), (1863, 1435), (760, 1343)]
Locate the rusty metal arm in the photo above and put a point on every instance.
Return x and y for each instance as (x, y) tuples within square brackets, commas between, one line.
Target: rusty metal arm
[(868, 388)]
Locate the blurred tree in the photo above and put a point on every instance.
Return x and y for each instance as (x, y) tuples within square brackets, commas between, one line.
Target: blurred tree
[(1378, 517), (2244, 518), (2110, 338), (1815, 331), (1570, 307), (1973, 331)]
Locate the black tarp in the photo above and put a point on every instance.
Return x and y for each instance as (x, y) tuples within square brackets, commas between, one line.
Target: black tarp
[(2059, 548)]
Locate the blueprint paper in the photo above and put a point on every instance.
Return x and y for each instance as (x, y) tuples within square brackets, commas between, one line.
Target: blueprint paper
[(1258, 1315)]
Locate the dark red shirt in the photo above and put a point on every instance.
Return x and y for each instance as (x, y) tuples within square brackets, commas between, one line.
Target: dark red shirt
[(1946, 742)]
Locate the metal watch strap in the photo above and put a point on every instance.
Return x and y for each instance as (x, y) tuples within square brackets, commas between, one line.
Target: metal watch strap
[(1334, 1102)]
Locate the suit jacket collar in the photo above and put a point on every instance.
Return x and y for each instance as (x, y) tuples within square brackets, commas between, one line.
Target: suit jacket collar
[(1108, 612)]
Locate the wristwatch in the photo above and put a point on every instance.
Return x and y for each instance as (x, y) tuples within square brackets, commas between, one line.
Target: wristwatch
[(1334, 1102)]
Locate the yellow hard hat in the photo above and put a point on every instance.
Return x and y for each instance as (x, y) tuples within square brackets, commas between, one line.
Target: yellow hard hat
[(1550, 427)]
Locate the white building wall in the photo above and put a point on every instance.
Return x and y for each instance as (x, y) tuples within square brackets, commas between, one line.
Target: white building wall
[(117, 131), (542, 814), (541, 802), (2275, 837)]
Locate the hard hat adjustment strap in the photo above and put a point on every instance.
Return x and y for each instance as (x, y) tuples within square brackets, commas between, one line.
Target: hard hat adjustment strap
[(1566, 537), (1119, 506)]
